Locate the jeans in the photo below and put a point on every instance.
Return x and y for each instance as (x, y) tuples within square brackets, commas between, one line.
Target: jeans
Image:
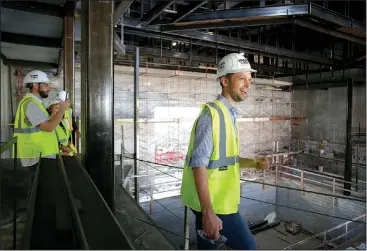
[(234, 229)]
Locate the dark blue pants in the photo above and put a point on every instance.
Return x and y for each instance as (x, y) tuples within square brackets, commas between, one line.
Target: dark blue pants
[(234, 229)]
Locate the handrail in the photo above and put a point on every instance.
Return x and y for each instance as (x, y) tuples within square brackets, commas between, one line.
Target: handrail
[(74, 211), (8, 144), (324, 233), (319, 175)]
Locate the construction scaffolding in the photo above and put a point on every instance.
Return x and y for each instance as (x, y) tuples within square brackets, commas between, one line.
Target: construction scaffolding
[(170, 100)]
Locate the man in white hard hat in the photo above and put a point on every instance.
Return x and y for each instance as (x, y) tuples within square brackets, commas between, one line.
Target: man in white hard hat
[(211, 177), (33, 126)]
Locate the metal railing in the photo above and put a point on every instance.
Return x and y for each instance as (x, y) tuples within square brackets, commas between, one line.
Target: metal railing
[(334, 184), (324, 234), (5, 147)]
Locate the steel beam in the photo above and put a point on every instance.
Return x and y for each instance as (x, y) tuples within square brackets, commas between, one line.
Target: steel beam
[(349, 24), (155, 12), (118, 44), (120, 10), (348, 145), (248, 13), (32, 64), (330, 32), (97, 95), (227, 43), (30, 40), (155, 52), (188, 10), (69, 84), (224, 24), (34, 7)]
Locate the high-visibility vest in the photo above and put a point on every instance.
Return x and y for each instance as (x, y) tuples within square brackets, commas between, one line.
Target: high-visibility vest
[(223, 171), (68, 115), (32, 142), (63, 138)]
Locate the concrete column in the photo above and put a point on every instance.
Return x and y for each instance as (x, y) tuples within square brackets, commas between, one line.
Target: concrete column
[(68, 63), (97, 94)]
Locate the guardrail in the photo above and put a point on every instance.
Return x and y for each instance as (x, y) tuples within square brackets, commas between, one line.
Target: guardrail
[(334, 184), (324, 234)]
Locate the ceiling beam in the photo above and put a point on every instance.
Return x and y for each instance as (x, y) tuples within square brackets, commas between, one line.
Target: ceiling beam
[(31, 64), (155, 12), (346, 24), (230, 4), (121, 8), (225, 24), (227, 43), (331, 32), (30, 40), (34, 7), (188, 10), (246, 14)]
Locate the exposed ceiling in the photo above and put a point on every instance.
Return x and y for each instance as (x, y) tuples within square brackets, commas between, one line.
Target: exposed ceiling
[(280, 38)]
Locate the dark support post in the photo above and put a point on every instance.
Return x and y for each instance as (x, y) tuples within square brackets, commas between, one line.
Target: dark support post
[(97, 95), (348, 146), (69, 52), (136, 118)]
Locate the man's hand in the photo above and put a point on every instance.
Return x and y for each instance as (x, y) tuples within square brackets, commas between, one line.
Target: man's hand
[(262, 163), (65, 105), (211, 225)]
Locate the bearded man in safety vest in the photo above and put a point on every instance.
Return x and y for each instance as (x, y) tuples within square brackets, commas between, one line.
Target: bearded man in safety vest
[(33, 126), (211, 176)]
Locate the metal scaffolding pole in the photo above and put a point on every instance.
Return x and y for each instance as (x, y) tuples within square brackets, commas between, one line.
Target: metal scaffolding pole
[(97, 95), (136, 118), (348, 146)]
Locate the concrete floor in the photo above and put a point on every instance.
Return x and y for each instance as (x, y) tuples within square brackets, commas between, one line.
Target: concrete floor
[(169, 214)]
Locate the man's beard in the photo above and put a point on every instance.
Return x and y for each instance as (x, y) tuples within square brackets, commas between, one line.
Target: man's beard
[(43, 94)]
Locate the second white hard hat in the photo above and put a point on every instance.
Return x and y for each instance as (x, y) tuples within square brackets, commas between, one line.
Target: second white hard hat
[(36, 76), (233, 63)]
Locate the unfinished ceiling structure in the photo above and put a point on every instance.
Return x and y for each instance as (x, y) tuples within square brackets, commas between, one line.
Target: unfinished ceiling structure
[(280, 38)]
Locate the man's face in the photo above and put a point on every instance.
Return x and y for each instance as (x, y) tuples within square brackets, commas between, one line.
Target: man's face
[(43, 89), (238, 85)]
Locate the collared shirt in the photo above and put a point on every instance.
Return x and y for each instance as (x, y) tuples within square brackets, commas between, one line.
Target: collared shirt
[(34, 116), (203, 142)]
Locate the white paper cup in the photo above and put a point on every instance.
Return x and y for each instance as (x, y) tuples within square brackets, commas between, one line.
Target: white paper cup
[(62, 95)]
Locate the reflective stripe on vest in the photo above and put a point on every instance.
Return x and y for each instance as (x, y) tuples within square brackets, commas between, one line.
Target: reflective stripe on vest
[(223, 159), (27, 130)]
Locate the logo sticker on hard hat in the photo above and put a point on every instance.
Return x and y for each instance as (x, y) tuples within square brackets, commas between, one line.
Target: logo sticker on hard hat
[(34, 76), (221, 66), (243, 61)]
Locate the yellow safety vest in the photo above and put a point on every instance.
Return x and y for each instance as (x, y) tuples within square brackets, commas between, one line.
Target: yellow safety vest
[(223, 171), (32, 141), (68, 115), (63, 138)]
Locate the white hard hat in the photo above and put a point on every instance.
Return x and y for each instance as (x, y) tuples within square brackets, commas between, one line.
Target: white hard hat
[(47, 103), (36, 76), (233, 63)]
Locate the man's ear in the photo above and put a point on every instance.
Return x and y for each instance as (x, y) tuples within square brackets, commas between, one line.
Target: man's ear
[(224, 81), (35, 86)]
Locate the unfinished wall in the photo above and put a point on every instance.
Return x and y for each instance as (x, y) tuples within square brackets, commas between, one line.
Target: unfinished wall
[(326, 112)]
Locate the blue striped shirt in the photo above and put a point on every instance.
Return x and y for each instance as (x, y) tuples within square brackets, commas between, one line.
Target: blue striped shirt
[(203, 142)]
